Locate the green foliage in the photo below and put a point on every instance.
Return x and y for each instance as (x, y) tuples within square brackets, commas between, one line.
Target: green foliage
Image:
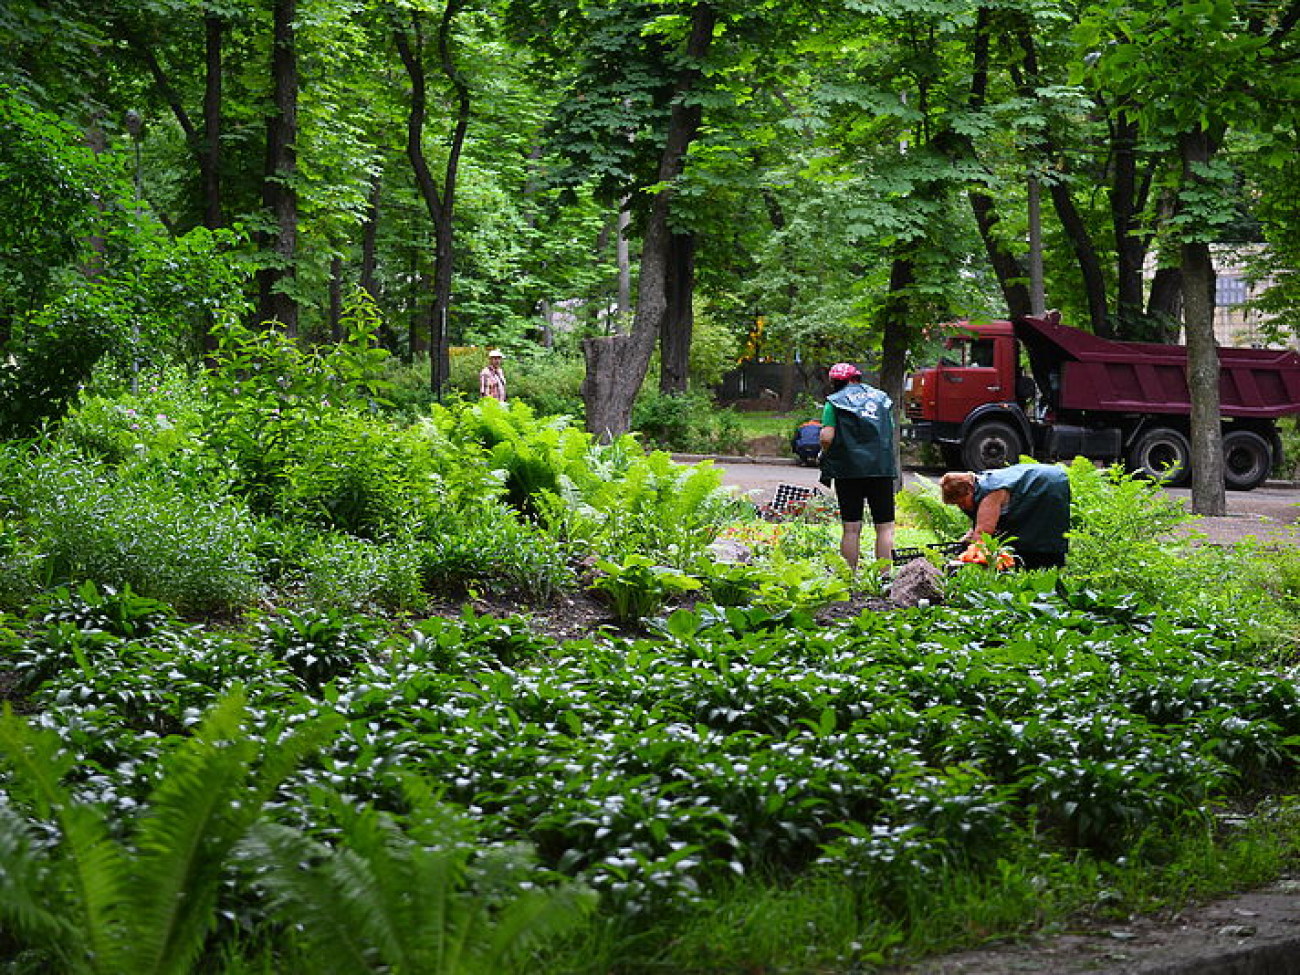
[(549, 382), (146, 903), (637, 588), (48, 183), (413, 895), (619, 500), (337, 571), (317, 646), (169, 534), (921, 504), (84, 275), (359, 475), (487, 545), (1121, 529), (689, 422), (267, 396), (161, 419)]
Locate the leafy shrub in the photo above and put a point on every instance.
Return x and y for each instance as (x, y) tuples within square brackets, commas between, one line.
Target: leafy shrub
[(267, 396), (549, 382), (317, 646), (160, 420), (340, 571), (637, 588), (168, 535), (689, 422), (620, 501), (489, 544), (358, 475)]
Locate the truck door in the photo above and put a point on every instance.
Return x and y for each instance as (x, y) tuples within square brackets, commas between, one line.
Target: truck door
[(968, 377)]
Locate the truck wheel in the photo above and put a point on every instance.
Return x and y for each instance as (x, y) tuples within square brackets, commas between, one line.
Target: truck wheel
[(991, 445), (1247, 460), (1162, 454)]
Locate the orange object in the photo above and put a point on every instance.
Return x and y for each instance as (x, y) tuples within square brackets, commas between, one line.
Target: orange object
[(976, 554)]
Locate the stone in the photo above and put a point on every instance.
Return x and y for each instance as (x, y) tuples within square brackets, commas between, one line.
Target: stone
[(917, 582)]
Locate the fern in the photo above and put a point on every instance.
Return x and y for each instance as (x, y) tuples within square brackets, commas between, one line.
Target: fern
[(143, 906), (419, 900)]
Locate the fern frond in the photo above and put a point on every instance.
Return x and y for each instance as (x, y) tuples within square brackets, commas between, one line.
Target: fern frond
[(192, 820), (31, 904), (95, 866), (288, 868), (532, 918)]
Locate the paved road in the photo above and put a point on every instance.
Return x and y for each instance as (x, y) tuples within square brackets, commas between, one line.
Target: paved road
[(1268, 512)]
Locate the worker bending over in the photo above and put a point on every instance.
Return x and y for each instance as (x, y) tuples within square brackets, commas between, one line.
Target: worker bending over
[(1027, 502)]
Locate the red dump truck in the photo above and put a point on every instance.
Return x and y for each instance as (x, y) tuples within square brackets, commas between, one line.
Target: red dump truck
[(1085, 395)]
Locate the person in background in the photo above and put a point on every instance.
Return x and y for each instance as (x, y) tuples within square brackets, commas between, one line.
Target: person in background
[(491, 380), (806, 442), (1029, 503), (857, 441)]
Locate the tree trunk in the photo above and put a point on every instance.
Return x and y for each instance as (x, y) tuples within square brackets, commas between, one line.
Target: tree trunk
[(1165, 303), (624, 262), (896, 337), (679, 317), (210, 153), (439, 203), (1010, 273), (1076, 229), (1085, 255), (616, 364), (367, 280), (279, 194), (1130, 245), (1208, 496)]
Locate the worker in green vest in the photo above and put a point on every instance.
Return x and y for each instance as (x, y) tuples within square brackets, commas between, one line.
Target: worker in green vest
[(1027, 503), (857, 441)]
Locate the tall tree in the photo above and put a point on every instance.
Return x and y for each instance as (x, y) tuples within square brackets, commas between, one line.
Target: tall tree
[(616, 364), (278, 300), (1196, 71)]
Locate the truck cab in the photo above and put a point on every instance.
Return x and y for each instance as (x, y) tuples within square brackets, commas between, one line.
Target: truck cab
[(977, 383)]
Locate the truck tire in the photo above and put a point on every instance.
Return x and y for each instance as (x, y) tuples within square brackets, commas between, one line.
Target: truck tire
[(1247, 460), (991, 445), (1162, 454)]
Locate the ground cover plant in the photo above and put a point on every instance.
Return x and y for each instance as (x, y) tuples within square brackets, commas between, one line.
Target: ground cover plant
[(889, 783)]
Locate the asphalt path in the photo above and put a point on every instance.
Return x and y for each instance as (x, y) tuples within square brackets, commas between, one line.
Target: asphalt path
[(1271, 512)]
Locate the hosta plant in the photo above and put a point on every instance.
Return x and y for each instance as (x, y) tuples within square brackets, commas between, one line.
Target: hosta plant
[(637, 587)]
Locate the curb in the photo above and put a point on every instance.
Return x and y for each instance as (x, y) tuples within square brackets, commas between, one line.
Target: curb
[(1277, 484)]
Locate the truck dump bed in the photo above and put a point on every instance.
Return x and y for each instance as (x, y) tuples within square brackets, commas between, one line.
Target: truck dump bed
[(1076, 370)]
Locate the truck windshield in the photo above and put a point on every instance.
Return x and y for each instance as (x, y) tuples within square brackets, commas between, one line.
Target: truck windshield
[(968, 352)]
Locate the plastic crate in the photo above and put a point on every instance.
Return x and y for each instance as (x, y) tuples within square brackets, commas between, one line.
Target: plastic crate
[(791, 498), (901, 556)]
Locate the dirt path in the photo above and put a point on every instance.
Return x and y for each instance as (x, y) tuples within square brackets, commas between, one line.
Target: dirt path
[(1270, 513)]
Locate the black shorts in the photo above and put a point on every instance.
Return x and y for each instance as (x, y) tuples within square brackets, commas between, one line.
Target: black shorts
[(877, 492)]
